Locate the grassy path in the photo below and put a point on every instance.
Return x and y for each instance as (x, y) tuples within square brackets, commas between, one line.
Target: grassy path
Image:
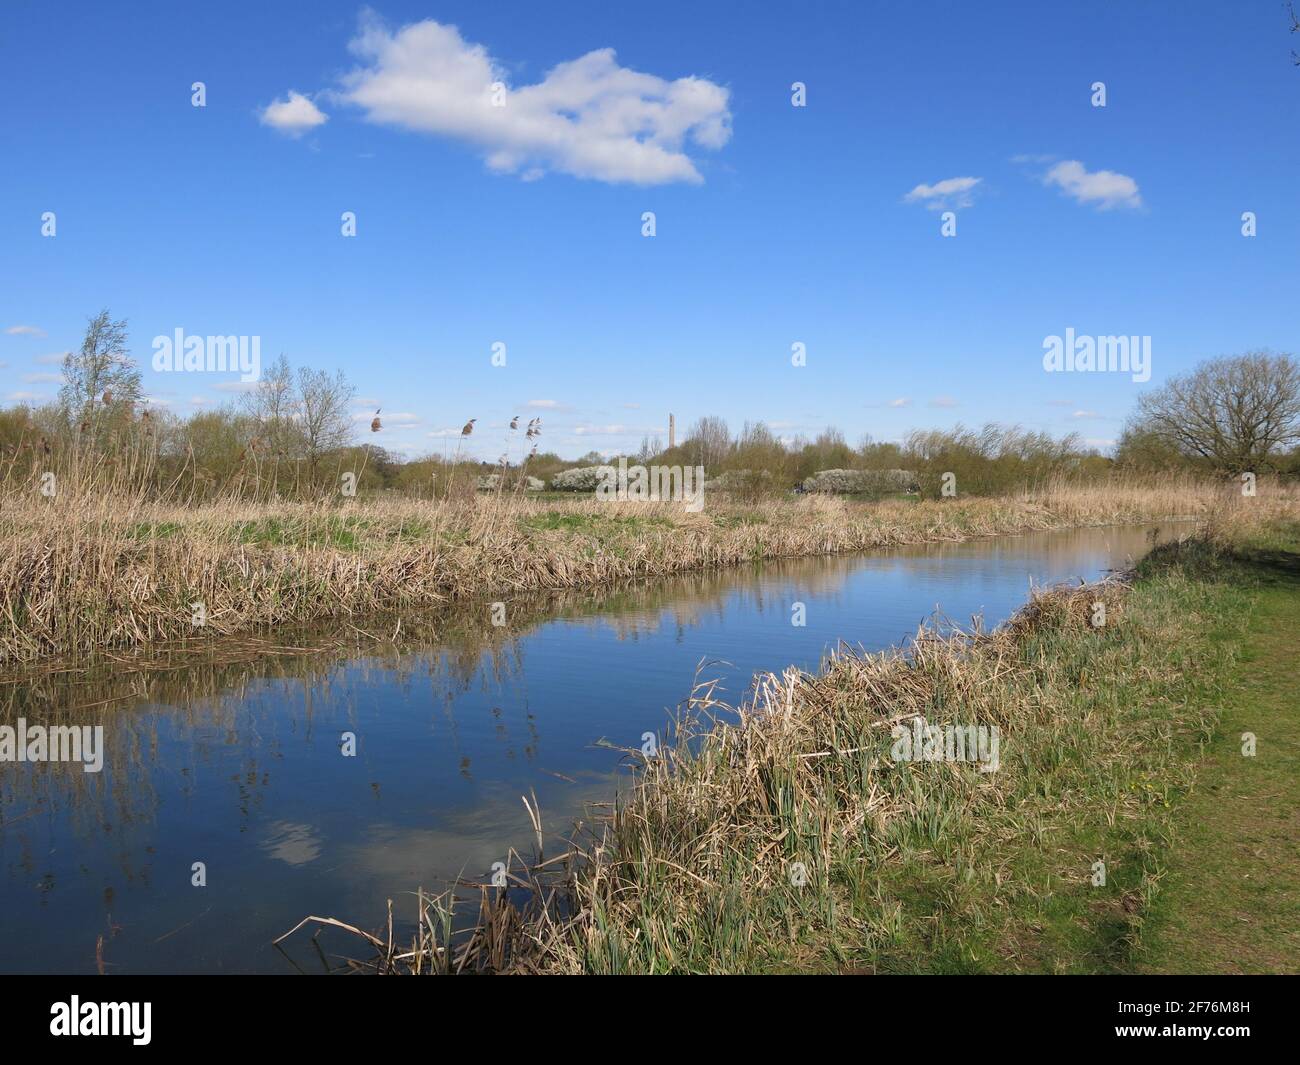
[(1230, 902)]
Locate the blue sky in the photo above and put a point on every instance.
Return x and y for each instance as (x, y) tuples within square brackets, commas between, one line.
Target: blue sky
[(774, 224)]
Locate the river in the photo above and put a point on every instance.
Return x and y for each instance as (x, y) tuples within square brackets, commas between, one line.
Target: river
[(234, 757)]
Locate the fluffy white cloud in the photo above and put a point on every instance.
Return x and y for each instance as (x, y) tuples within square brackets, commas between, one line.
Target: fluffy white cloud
[(902, 401), (950, 192), (1103, 189), (589, 117), (294, 115)]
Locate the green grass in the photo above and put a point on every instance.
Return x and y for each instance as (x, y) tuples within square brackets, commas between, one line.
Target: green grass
[(1230, 900), (595, 524), (344, 533), (1199, 842)]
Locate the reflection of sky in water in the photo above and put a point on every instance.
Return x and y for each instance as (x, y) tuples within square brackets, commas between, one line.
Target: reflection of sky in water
[(253, 784)]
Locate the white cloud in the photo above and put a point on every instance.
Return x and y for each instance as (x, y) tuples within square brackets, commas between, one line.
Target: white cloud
[(900, 402), (1102, 189), (389, 420), (294, 115), (588, 117), (609, 430), (545, 404), (1085, 414), (25, 331), (55, 358), (199, 401), (943, 401), (950, 192), (444, 432), (43, 378)]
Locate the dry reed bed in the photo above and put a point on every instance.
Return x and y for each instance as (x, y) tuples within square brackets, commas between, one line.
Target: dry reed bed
[(91, 570)]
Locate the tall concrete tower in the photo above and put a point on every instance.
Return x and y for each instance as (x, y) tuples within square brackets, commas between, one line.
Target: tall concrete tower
[(672, 431)]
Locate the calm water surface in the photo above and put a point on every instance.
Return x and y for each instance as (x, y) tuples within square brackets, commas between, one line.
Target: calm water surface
[(239, 765)]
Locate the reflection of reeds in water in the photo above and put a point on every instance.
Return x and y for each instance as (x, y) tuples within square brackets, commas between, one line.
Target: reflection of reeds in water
[(200, 688)]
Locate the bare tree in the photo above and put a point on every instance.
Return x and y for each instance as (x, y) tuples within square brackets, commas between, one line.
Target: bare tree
[(709, 442), (1233, 413), (323, 417), (273, 408), (101, 382)]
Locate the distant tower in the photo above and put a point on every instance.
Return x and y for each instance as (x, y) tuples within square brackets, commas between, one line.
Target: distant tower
[(672, 432)]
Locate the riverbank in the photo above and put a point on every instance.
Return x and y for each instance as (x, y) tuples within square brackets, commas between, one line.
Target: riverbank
[(794, 834), (85, 572)]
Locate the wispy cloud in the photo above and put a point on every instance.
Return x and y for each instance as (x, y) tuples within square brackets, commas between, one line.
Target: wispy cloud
[(950, 192), (43, 378), (588, 117), (611, 430), (902, 401), (1103, 189), (943, 401), (390, 420), (25, 331)]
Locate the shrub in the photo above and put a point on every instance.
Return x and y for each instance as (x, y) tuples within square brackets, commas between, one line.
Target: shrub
[(865, 482), (580, 478), (491, 481)]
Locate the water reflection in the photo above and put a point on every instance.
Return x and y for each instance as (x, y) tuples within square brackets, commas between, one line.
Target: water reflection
[(230, 754)]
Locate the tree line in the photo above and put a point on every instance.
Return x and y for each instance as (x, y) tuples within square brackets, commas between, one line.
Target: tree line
[(295, 432)]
